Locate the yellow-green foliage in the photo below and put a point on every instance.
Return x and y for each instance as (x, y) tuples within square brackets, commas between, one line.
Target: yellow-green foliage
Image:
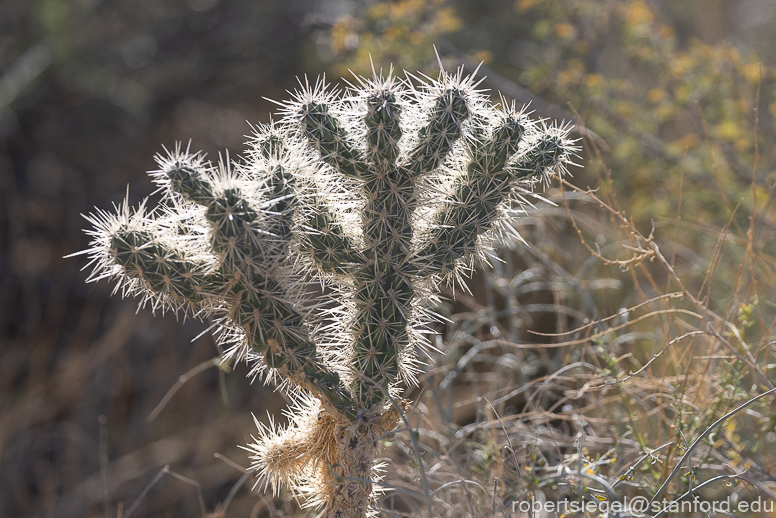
[(654, 98), (400, 32), (651, 95)]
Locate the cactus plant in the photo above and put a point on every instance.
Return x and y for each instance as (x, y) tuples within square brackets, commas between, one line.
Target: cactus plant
[(380, 193)]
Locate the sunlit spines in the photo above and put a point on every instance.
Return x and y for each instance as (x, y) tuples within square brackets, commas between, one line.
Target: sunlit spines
[(452, 99), (177, 280), (380, 332), (273, 157), (274, 325), (236, 231), (324, 239), (310, 113), (382, 120), (324, 224), (270, 142), (185, 174), (384, 291), (297, 454), (280, 208), (151, 261), (383, 306), (472, 207), (269, 305), (500, 140), (239, 237), (549, 153), (251, 212), (279, 165)]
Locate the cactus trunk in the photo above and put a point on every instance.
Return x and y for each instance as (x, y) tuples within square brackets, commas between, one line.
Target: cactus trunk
[(350, 480)]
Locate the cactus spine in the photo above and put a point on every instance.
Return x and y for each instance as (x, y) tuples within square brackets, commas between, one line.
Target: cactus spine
[(380, 194)]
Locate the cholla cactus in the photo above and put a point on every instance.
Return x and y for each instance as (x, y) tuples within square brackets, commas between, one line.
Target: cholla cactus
[(380, 194)]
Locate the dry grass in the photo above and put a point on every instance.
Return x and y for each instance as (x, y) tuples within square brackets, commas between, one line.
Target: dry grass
[(656, 336)]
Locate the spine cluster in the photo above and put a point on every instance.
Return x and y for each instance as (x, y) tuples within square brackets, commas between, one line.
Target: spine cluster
[(379, 193)]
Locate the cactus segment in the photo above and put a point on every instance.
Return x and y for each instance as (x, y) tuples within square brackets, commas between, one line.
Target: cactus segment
[(326, 135), (443, 129), (473, 206), (550, 152), (178, 279), (383, 125), (330, 248)]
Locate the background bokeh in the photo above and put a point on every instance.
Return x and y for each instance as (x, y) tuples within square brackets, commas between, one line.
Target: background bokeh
[(90, 90)]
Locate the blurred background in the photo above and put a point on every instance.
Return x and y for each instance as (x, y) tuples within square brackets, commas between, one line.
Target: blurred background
[(90, 90)]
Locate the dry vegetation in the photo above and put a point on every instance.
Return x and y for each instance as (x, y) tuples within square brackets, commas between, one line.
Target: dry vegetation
[(658, 335)]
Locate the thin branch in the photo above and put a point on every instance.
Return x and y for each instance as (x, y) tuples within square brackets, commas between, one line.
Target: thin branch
[(182, 379), (700, 438), (145, 491)]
